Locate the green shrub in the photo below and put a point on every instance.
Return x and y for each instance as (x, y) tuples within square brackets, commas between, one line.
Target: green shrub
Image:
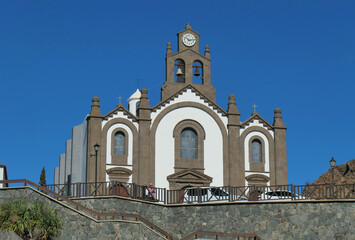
[(30, 220)]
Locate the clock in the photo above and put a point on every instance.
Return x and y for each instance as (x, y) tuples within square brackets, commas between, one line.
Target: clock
[(188, 39)]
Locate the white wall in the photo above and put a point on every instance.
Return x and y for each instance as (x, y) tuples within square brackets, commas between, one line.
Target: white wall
[(68, 159), (56, 175), (164, 145), (79, 149), (62, 168), (2, 175), (133, 106)]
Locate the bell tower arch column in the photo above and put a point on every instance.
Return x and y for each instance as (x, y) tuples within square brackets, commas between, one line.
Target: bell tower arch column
[(280, 149), (236, 163)]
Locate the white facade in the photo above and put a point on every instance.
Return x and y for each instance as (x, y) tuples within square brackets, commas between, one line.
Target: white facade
[(2, 175), (164, 145)]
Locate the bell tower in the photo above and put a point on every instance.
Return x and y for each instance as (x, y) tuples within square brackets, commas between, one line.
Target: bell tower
[(188, 66)]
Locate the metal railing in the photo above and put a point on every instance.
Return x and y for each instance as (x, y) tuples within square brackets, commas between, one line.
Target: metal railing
[(206, 194), (92, 213), (129, 190), (199, 234)]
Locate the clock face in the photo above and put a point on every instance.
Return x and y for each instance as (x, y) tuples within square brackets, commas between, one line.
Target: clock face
[(188, 39)]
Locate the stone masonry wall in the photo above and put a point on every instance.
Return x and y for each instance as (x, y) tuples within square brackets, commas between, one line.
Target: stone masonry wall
[(78, 226), (272, 220)]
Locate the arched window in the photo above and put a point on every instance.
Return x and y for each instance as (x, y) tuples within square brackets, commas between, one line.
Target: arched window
[(256, 150), (119, 143), (188, 144)]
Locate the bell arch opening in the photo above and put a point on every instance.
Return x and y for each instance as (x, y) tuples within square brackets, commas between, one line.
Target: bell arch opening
[(179, 70), (197, 72)]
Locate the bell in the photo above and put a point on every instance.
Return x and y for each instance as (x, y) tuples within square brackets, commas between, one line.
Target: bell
[(197, 73), (178, 72)]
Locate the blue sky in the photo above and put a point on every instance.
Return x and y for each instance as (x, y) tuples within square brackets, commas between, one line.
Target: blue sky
[(295, 55)]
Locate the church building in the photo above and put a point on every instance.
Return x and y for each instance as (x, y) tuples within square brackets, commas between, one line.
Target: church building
[(185, 140)]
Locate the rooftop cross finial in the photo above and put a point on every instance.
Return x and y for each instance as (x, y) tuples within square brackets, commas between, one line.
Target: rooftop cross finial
[(138, 79), (119, 99), (254, 106)]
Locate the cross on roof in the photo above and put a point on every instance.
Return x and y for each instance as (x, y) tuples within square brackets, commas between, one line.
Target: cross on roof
[(119, 99), (138, 79), (254, 106)]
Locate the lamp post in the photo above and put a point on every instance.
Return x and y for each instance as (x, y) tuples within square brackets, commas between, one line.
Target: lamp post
[(96, 147), (332, 164)]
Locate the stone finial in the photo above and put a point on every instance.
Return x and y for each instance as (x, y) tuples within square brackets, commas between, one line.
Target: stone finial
[(207, 52), (278, 118), (119, 105), (188, 26), (95, 107), (168, 49), (232, 106), (144, 101)]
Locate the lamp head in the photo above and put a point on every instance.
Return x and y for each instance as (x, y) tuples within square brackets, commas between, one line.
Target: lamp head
[(332, 162), (96, 147)]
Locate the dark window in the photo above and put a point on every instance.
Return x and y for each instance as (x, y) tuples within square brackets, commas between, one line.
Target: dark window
[(119, 143), (137, 106), (256, 151), (188, 143)]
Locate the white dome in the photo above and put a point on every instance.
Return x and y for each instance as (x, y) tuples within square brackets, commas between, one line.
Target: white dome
[(136, 95)]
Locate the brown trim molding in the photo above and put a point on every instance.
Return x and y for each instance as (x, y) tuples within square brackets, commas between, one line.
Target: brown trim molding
[(119, 174), (257, 180), (271, 148), (134, 130), (197, 163), (188, 178), (204, 108)]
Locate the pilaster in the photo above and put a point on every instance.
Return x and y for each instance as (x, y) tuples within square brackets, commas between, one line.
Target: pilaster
[(280, 149), (235, 174), (94, 121)]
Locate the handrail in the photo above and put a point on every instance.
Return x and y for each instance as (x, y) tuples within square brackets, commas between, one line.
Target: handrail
[(240, 236), (98, 215), (205, 194)]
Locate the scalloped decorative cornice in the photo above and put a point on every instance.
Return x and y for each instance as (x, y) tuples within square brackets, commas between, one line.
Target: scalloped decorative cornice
[(120, 107), (193, 89), (258, 117)]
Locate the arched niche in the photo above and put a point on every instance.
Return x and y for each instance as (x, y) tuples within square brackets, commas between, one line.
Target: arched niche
[(179, 71), (197, 72)]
